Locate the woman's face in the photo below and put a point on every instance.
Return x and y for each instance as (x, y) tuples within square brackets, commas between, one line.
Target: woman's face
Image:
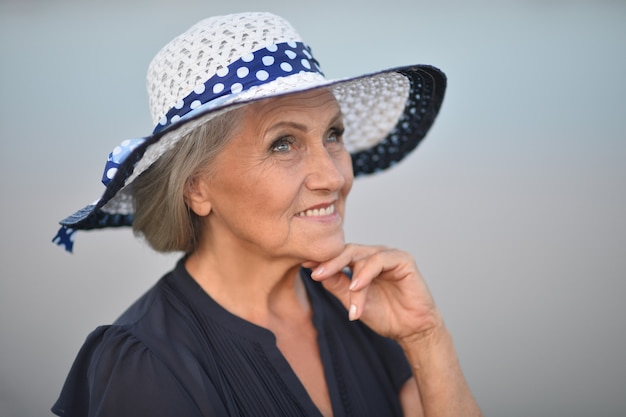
[(278, 188)]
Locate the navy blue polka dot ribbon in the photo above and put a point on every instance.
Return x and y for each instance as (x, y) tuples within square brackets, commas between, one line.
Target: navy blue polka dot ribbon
[(65, 238), (119, 155), (253, 69)]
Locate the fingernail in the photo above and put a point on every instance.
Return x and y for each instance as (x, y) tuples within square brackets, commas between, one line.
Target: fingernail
[(352, 312), (353, 284), (317, 272)]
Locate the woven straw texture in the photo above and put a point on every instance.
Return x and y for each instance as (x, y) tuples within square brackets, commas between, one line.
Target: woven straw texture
[(210, 45), (386, 114)]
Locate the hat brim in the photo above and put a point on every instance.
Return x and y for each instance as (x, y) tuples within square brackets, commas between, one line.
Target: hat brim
[(425, 88)]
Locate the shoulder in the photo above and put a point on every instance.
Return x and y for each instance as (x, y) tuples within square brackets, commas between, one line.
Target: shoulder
[(144, 364), (157, 321), (115, 374)]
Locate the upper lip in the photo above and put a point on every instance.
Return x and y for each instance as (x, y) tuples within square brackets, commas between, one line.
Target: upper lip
[(319, 206)]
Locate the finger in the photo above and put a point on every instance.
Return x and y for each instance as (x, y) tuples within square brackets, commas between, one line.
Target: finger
[(353, 301), (395, 264), (338, 285), (350, 255), (309, 264), (357, 303)]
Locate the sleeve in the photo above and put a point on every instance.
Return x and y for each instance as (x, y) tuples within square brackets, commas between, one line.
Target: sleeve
[(392, 357), (114, 374), (395, 362)]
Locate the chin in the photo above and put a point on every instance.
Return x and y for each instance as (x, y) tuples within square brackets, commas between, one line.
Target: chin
[(327, 250)]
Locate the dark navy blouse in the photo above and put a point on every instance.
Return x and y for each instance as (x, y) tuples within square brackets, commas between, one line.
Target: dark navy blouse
[(176, 352)]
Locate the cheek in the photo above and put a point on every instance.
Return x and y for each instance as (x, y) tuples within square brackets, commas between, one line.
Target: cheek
[(267, 198), (234, 196)]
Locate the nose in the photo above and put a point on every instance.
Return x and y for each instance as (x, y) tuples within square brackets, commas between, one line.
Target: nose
[(326, 171)]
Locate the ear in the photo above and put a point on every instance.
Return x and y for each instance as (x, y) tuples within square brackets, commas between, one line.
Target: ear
[(197, 195)]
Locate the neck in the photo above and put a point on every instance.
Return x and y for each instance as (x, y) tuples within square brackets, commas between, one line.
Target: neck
[(253, 287)]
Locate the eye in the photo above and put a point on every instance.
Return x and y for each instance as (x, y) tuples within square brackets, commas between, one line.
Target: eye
[(282, 145), (335, 136)]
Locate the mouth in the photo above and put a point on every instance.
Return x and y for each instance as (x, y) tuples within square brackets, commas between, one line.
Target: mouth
[(320, 211)]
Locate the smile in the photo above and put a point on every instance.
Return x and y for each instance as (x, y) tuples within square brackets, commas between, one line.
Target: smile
[(317, 212)]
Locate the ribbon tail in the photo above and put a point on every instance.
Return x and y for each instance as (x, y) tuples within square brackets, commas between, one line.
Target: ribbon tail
[(65, 238)]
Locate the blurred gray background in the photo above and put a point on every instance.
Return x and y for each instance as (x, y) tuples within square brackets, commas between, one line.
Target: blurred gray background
[(513, 206)]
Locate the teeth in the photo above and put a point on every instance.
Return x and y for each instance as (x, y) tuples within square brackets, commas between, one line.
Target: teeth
[(318, 212)]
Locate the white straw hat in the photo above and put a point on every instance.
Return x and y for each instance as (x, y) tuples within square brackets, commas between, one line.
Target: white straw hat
[(227, 61)]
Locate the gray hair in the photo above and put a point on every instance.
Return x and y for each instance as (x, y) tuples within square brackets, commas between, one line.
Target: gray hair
[(162, 217)]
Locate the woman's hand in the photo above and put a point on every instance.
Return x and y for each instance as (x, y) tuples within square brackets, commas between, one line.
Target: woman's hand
[(386, 292)]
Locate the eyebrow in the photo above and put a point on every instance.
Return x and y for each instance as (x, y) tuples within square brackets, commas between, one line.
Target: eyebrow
[(299, 126)]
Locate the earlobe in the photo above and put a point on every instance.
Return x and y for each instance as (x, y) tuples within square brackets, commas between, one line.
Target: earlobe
[(197, 196)]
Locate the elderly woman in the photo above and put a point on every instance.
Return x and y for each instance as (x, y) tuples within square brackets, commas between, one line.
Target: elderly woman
[(269, 312)]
